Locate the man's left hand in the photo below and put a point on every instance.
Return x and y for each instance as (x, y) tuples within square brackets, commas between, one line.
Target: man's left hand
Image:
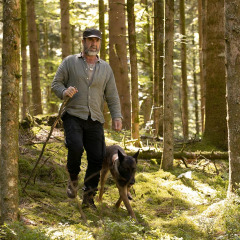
[(117, 124)]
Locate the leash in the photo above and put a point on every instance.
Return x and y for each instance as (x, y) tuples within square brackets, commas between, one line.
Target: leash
[(49, 135)]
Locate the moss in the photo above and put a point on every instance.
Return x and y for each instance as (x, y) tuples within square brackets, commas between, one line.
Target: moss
[(166, 207)]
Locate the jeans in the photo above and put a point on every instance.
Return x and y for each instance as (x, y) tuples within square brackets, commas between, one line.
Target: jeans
[(85, 135)]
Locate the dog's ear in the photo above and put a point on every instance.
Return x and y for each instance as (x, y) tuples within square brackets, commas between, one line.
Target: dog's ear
[(136, 155), (120, 156)]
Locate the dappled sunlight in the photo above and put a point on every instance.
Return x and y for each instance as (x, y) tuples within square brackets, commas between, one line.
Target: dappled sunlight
[(68, 232)]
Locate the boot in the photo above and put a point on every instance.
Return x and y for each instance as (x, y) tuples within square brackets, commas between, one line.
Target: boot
[(88, 200), (72, 188)]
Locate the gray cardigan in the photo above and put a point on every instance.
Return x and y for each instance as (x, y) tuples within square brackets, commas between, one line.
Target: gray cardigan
[(91, 95)]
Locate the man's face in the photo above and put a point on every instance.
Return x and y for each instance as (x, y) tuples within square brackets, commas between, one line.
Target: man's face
[(91, 46)]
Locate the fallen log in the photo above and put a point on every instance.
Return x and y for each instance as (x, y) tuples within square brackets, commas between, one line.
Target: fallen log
[(186, 155)]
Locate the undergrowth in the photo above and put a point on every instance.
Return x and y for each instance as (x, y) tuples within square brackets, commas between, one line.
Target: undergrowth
[(178, 204)]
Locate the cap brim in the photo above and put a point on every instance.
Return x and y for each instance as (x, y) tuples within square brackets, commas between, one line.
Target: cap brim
[(93, 36)]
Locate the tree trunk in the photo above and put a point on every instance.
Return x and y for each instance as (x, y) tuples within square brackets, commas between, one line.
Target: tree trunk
[(148, 65), (161, 64), (168, 114), (65, 28), (195, 86), (101, 10), (24, 58), (73, 39), (216, 123), (158, 67), (33, 44), (118, 56), (232, 35), (156, 73), (134, 70), (184, 87), (10, 110), (202, 84)]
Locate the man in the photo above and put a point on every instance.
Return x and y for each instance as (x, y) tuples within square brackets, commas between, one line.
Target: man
[(87, 81)]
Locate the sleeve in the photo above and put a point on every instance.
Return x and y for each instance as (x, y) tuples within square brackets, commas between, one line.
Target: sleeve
[(59, 83), (112, 97)]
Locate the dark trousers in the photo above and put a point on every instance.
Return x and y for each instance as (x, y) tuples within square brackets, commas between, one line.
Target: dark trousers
[(89, 135)]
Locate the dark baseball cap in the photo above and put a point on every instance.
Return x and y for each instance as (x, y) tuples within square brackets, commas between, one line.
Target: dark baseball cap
[(92, 33)]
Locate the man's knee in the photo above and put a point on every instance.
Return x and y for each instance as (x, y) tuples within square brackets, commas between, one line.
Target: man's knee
[(75, 147)]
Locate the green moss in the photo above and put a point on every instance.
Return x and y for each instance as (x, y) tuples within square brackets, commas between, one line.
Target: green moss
[(167, 207)]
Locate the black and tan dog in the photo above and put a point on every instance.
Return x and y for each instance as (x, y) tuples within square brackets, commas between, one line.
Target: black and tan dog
[(123, 169)]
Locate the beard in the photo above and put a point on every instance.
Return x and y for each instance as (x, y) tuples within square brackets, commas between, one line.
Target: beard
[(90, 52)]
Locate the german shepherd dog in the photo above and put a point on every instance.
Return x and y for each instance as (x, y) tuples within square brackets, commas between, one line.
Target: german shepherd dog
[(123, 169)]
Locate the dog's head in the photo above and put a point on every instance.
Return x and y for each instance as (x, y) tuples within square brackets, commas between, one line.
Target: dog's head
[(127, 168)]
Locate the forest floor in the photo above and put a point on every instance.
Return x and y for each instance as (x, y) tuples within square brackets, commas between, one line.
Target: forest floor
[(184, 203)]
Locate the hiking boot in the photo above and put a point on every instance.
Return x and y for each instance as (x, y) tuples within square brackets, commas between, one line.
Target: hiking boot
[(88, 200), (72, 188)]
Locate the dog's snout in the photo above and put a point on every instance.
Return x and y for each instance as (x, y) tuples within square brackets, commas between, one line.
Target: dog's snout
[(132, 181)]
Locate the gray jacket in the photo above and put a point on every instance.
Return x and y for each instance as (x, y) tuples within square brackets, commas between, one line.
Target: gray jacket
[(91, 95)]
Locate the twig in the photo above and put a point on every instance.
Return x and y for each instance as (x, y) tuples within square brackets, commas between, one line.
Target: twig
[(49, 135), (78, 201), (184, 161)]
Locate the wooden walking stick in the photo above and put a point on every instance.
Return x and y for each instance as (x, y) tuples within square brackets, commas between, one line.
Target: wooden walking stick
[(49, 135)]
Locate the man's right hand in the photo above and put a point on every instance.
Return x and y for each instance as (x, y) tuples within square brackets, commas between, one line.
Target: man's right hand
[(69, 92)]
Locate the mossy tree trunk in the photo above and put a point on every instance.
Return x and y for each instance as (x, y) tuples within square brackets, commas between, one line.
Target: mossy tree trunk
[(168, 114), (118, 56), (232, 36), (10, 110), (184, 85), (134, 71), (65, 28), (34, 57), (215, 110)]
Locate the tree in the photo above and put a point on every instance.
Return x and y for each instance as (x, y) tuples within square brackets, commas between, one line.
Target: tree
[(118, 56), (215, 109), (195, 86), (184, 87), (65, 28), (146, 55), (101, 11), (201, 9), (34, 58), (10, 110), (168, 115), (232, 22), (158, 66), (24, 58), (134, 70)]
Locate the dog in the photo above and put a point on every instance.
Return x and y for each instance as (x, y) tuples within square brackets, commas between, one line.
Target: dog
[(123, 169)]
